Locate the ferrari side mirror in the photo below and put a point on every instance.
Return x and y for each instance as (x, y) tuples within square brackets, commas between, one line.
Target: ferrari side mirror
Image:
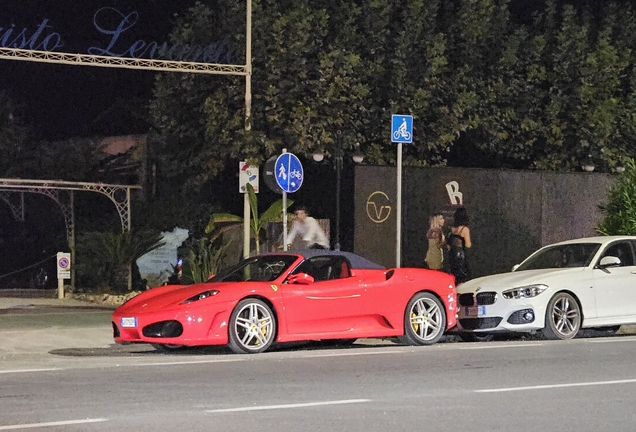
[(301, 279)]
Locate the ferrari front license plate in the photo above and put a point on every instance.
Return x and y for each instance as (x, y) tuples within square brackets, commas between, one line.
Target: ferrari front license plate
[(475, 311), (129, 322)]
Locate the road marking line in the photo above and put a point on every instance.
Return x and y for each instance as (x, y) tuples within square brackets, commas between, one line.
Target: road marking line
[(300, 405), (500, 346), (49, 424), (29, 370), (553, 386), (610, 340), (184, 362), (350, 354)]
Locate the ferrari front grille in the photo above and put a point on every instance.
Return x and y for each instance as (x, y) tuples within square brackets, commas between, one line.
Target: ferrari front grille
[(163, 329), (116, 333)]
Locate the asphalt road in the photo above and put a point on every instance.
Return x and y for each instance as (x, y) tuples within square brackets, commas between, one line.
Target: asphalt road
[(71, 377)]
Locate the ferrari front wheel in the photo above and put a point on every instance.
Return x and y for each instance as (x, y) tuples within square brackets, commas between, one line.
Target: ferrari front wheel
[(424, 320), (252, 327)]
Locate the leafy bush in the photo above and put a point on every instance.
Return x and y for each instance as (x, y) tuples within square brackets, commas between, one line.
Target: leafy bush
[(620, 212), (202, 258)]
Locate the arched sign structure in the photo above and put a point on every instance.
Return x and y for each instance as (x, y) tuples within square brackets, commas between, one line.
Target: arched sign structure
[(140, 64), (118, 194)]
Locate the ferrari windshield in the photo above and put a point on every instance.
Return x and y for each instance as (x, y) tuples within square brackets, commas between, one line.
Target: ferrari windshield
[(560, 256), (265, 268)]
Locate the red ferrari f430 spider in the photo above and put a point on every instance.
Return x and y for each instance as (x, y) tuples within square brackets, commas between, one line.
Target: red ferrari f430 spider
[(293, 296)]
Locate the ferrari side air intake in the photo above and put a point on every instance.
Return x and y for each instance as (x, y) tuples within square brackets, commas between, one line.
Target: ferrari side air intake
[(163, 329)]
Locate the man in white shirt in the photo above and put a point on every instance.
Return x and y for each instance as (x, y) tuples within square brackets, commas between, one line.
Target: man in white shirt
[(309, 230)]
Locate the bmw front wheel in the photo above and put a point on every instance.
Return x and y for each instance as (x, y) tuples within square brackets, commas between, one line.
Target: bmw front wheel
[(252, 327), (562, 317), (424, 320)]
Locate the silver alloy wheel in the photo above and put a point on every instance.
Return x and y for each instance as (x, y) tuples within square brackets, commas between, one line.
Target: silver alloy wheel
[(252, 327), (563, 317), (424, 320)]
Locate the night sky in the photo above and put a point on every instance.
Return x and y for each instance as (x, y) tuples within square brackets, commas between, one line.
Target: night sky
[(63, 101)]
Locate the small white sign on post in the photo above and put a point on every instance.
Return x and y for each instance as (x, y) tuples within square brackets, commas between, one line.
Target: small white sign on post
[(247, 174), (63, 271)]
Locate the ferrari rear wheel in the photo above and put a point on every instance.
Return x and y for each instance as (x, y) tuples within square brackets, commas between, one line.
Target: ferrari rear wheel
[(562, 317), (424, 320), (252, 327)]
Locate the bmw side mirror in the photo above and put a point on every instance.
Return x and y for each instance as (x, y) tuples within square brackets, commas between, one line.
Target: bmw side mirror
[(609, 261)]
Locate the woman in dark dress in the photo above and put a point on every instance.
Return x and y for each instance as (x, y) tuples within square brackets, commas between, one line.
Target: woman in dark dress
[(459, 242)]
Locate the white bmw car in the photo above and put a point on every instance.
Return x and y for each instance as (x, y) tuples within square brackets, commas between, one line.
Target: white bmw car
[(559, 289)]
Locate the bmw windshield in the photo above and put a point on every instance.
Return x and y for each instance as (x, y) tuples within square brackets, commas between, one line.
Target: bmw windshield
[(561, 256)]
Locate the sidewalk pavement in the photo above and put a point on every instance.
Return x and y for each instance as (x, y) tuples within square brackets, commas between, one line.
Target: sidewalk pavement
[(22, 298), (21, 303)]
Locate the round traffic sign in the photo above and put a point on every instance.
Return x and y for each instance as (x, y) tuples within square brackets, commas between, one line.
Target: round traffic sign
[(289, 172)]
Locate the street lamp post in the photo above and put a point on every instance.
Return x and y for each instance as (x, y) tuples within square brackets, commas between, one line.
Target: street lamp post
[(338, 160), (338, 163)]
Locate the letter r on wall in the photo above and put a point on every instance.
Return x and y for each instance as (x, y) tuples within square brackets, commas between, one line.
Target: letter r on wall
[(455, 196)]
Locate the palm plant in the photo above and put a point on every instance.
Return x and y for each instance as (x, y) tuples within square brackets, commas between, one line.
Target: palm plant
[(202, 259), (273, 214), (110, 256)]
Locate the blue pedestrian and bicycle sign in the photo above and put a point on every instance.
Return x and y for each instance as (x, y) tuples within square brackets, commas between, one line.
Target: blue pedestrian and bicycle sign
[(289, 172), (401, 128)]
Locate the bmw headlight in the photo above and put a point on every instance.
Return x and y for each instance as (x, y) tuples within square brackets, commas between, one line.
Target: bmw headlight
[(200, 296), (524, 291)]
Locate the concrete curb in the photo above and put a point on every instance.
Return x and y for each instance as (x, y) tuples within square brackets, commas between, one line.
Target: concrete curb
[(12, 299)]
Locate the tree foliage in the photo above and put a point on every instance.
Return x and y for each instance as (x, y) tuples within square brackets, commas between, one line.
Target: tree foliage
[(490, 83), (16, 141), (620, 212)]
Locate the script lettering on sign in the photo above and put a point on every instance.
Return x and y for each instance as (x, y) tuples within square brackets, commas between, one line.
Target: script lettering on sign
[(10, 37), (455, 196), (118, 47), (44, 38)]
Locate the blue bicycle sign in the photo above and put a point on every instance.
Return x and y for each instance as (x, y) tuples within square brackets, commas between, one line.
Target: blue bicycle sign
[(401, 128)]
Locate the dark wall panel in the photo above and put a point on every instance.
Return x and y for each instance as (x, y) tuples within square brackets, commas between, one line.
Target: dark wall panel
[(570, 204), (512, 213), (375, 219)]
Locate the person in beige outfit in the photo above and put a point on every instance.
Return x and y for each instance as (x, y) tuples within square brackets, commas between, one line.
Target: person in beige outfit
[(435, 254)]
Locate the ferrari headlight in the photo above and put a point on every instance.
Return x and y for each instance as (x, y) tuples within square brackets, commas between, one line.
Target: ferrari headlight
[(524, 291), (201, 296)]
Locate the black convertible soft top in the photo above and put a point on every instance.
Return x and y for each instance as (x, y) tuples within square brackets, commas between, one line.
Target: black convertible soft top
[(357, 262)]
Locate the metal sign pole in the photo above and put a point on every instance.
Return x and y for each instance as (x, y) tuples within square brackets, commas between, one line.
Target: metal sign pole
[(401, 132), (284, 220), (398, 211), (248, 120)]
